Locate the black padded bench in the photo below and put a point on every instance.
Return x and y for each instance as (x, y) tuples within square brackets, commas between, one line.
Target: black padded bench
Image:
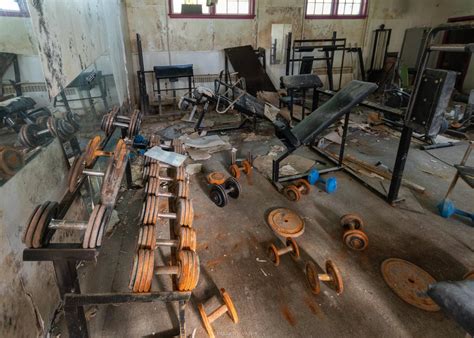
[(306, 132)]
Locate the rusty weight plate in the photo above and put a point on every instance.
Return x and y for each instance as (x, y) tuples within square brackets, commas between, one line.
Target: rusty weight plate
[(91, 149), (285, 222), (114, 174), (409, 282)]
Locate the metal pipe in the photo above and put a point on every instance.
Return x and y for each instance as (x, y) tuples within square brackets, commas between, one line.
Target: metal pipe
[(166, 270), (453, 48), (121, 125), (166, 215), (96, 173), (167, 242)]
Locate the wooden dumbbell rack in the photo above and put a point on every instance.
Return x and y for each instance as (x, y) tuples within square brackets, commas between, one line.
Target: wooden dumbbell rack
[(182, 297), (65, 257)]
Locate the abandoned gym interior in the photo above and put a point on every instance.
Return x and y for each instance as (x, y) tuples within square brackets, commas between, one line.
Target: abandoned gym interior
[(237, 168)]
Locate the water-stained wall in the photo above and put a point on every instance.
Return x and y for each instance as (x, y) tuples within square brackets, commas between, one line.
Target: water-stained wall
[(200, 41), (71, 35)]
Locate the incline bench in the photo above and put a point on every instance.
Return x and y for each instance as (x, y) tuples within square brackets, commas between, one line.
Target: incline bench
[(306, 132)]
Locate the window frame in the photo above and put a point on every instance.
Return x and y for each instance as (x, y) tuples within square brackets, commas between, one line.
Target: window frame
[(212, 14), (23, 13), (334, 15)]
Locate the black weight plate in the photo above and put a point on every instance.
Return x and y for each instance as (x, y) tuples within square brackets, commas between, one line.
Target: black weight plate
[(233, 186), (218, 195)]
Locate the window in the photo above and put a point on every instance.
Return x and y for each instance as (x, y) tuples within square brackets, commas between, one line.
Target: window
[(13, 8), (225, 9), (333, 9)]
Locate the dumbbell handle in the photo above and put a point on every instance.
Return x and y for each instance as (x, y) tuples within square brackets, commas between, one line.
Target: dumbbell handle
[(165, 194), (166, 270), (324, 277), (217, 313), (121, 124), (284, 250), (167, 242), (103, 153), (61, 224), (42, 132), (89, 172), (122, 118), (166, 215)]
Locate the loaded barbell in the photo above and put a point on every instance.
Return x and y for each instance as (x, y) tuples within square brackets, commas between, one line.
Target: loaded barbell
[(186, 239), (185, 272), (32, 135), (353, 236), (294, 191), (228, 307), (332, 277), (219, 192), (131, 123), (291, 247), (42, 224)]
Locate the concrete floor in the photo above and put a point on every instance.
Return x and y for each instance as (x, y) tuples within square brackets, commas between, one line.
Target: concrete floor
[(275, 301)]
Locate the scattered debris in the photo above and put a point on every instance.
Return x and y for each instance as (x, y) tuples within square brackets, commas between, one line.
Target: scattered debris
[(193, 168), (265, 274), (198, 154), (260, 260)]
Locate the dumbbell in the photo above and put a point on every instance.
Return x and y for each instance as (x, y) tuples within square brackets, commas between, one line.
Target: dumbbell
[(92, 150), (353, 236), (447, 209), (291, 247), (153, 170), (11, 161), (219, 192), (131, 123), (330, 184), (294, 191), (235, 168), (74, 119), (42, 224), (79, 167), (186, 239), (32, 135), (150, 212), (332, 277), (152, 187), (176, 145), (228, 307), (185, 272)]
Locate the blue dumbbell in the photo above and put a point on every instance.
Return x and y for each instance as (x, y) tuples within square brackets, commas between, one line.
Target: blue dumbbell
[(330, 184), (447, 209)]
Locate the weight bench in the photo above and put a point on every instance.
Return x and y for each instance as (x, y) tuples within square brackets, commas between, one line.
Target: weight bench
[(306, 132)]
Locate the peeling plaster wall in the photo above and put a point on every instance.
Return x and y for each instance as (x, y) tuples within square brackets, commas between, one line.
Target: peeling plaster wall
[(200, 41), (73, 34), (44, 178)]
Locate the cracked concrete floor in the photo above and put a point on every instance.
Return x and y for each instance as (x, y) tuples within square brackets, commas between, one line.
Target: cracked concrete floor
[(275, 301)]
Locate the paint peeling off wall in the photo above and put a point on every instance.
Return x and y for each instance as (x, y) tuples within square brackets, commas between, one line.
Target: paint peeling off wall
[(73, 34)]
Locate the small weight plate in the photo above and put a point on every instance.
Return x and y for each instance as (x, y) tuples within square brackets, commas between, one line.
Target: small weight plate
[(104, 222), (187, 239), (113, 175), (90, 226), (235, 171), (150, 272), (42, 226), (335, 274), (31, 225), (75, 172), (11, 160), (146, 266), (231, 310), (273, 253), (246, 167), (305, 184), (233, 186), (184, 264), (133, 272), (312, 277), (205, 321), (216, 178), (286, 222), (355, 239), (352, 220), (292, 193), (409, 282), (218, 195), (91, 149), (295, 254), (97, 225), (190, 216), (140, 268), (142, 234)]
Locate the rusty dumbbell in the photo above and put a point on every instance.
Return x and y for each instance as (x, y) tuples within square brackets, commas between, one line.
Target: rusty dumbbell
[(185, 240), (185, 272), (219, 192), (332, 277), (291, 247), (184, 214), (354, 237), (294, 191), (152, 187), (241, 165), (153, 170), (228, 307), (130, 123)]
